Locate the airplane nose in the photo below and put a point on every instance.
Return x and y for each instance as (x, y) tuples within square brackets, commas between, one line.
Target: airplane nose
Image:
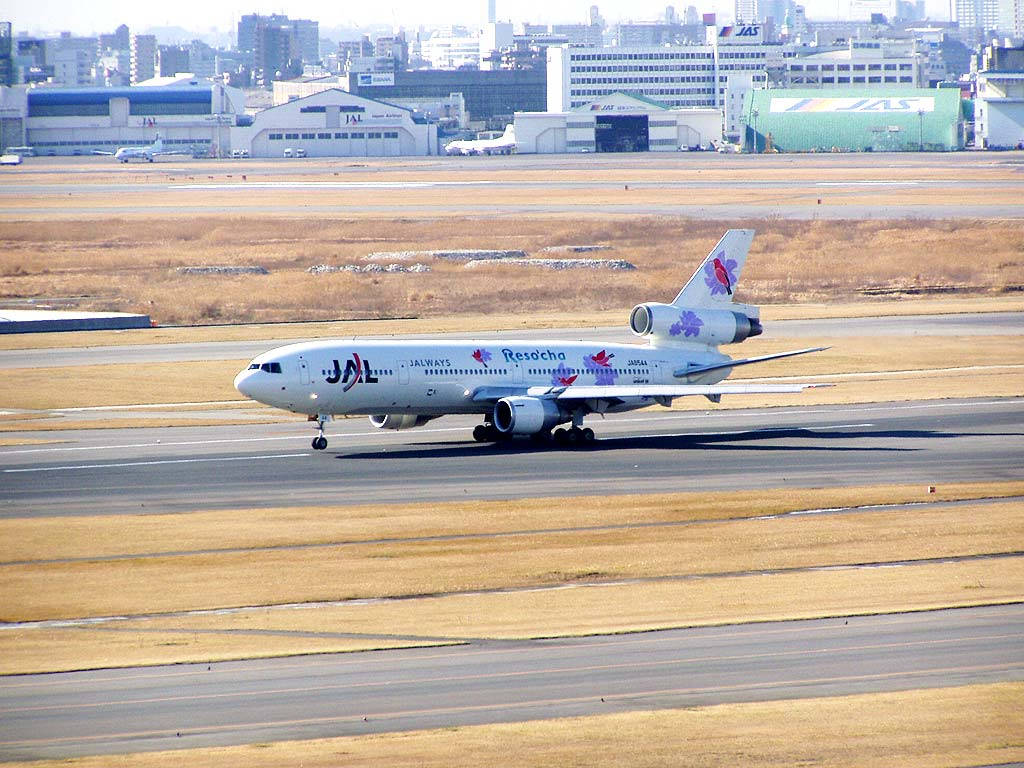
[(243, 383)]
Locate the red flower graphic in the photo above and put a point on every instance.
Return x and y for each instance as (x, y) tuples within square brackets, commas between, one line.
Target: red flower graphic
[(603, 359)]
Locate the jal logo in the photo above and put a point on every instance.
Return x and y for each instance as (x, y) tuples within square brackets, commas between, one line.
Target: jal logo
[(356, 370)]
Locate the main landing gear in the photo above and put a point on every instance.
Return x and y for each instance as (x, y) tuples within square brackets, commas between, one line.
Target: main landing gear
[(486, 433), (320, 442), (573, 436)]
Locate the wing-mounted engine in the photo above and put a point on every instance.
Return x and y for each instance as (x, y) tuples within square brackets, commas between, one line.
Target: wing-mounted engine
[(527, 415), (399, 421), (667, 323)]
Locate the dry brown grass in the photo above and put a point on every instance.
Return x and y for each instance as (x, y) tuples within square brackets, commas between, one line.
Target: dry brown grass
[(583, 609), (206, 579), (970, 725), (467, 325), (107, 265)]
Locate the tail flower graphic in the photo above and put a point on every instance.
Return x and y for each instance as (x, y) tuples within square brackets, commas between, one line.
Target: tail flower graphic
[(720, 274)]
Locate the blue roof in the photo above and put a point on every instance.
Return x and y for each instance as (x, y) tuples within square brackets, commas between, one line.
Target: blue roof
[(142, 95)]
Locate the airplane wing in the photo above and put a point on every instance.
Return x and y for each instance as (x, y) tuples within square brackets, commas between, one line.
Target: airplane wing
[(622, 392), (101, 152)]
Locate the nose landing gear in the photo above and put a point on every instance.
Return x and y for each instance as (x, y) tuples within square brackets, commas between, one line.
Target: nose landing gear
[(320, 442)]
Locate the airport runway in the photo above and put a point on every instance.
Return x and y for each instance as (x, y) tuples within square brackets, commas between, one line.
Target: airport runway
[(181, 469), (966, 324), (142, 709), (835, 187)]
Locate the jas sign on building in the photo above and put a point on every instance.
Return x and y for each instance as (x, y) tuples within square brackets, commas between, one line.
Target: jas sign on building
[(740, 34), (875, 105)]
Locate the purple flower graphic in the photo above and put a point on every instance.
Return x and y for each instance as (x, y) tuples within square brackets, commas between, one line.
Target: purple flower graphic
[(482, 356), (720, 274), (600, 365), (562, 376), (688, 324)]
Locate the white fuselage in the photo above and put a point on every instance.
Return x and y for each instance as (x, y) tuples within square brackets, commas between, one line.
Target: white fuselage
[(432, 379)]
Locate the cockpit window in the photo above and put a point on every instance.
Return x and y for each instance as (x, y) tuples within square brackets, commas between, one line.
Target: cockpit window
[(268, 367), (254, 366)]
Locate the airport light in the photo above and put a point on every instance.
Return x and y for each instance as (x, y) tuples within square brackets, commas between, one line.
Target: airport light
[(754, 113), (920, 130)]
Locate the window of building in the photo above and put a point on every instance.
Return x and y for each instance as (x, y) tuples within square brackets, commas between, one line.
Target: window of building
[(323, 135), (291, 135), (320, 108), (309, 135)]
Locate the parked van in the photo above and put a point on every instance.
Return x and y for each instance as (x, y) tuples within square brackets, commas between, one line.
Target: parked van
[(289, 152)]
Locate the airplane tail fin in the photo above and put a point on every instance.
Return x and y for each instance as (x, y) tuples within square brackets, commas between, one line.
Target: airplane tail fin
[(158, 145), (715, 280)]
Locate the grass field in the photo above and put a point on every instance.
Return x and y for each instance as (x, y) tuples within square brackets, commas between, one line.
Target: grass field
[(633, 562), (104, 265)]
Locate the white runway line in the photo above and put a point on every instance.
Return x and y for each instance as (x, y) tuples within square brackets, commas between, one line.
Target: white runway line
[(69, 467), (244, 185), (637, 420)]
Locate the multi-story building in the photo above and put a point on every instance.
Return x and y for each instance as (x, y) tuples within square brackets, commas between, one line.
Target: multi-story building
[(861, 64), (451, 49), (999, 107), (275, 43), (676, 76), (143, 57), (6, 54), (172, 59), (985, 15), (489, 96)]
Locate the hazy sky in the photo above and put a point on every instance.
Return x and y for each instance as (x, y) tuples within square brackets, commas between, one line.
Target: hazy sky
[(104, 15)]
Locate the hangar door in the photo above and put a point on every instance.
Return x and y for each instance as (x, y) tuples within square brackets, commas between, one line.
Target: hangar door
[(621, 133)]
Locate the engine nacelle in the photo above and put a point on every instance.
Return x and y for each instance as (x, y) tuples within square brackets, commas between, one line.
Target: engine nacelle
[(399, 421), (526, 415), (698, 325)]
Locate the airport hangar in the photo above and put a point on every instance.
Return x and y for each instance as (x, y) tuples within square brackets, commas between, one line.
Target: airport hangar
[(335, 123), (191, 115), (891, 119), (618, 122)]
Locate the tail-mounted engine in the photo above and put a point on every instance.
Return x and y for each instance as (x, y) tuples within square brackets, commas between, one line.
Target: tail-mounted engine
[(699, 325), (399, 421)]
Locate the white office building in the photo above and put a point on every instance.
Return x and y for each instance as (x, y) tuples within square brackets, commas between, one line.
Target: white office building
[(696, 76)]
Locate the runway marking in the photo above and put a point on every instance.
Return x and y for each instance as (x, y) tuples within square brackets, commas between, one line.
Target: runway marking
[(535, 672), (332, 185), (980, 615), (144, 406), (752, 414), (528, 704), (159, 461)]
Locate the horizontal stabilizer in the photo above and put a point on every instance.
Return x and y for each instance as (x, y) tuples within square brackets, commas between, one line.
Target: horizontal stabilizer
[(744, 361)]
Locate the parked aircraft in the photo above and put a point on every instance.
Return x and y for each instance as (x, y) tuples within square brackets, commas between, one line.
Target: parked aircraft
[(502, 145), (528, 388), (124, 154)]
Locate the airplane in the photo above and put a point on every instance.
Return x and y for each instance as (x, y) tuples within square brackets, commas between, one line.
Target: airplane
[(503, 145), (124, 154), (528, 388)]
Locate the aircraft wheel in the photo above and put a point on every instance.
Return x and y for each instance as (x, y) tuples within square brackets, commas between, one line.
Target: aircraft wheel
[(540, 437), (319, 443), (481, 434), (561, 436), (587, 434)]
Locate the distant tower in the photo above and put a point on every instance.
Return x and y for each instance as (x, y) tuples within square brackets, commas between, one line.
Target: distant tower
[(143, 58), (670, 15), (746, 11), (492, 11)]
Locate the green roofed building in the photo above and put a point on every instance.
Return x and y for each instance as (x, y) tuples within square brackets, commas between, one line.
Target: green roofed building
[(845, 120)]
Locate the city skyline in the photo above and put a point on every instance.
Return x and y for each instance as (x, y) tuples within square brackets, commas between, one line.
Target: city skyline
[(202, 17)]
